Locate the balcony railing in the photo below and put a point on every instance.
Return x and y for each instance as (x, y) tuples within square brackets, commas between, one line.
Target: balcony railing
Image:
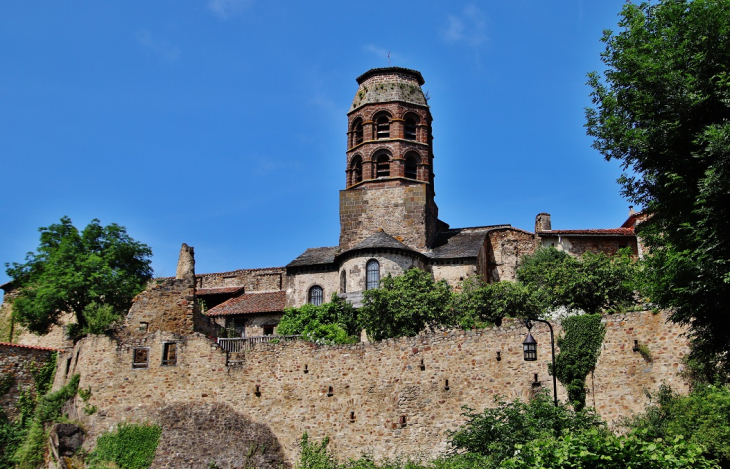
[(241, 344)]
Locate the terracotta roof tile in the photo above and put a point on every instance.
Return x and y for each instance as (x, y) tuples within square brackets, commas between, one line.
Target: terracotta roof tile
[(217, 290), (250, 303), (33, 347)]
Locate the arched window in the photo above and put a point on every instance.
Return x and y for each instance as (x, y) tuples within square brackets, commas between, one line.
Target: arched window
[(409, 132), (343, 282), (373, 274), (412, 166), (382, 166), (315, 295), (356, 167), (383, 126), (357, 135)]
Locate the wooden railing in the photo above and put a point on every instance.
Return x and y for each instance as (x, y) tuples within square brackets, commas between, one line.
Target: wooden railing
[(241, 344)]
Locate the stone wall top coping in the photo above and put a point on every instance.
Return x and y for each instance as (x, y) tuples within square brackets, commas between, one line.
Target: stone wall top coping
[(32, 347)]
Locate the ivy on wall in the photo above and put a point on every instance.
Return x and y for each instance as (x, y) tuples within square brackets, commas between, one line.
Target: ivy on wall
[(580, 347)]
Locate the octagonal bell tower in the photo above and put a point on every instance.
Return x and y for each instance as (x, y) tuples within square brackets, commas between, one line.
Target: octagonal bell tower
[(389, 169)]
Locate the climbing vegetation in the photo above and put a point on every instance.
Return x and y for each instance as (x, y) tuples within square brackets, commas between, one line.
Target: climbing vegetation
[(580, 346)]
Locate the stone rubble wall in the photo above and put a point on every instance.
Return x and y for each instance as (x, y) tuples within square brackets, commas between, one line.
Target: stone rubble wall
[(401, 211), (16, 361), (266, 279), (579, 245), (359, 394), (506, 248)]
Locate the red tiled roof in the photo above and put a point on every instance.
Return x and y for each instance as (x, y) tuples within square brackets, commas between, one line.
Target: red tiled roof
[(217, 290), (249, 303), (595, 232), (6, 344)]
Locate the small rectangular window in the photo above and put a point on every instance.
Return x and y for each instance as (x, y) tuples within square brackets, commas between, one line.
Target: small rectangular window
[(144, 326), (140, 358), (169, 353), (268, 330)]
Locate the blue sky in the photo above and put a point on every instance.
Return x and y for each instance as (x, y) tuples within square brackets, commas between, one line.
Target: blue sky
[(222, 123)]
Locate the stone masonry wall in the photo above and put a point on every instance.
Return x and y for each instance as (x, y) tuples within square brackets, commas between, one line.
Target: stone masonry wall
[(15, 361), (387, 398), (399, 211), (506, 247), (266, 279), (577, 245), (167, 304)]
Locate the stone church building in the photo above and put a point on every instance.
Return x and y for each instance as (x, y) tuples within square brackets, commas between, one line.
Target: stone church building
[(389, 221)]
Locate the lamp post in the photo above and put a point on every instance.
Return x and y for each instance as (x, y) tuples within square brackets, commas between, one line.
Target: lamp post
[(529, 347)]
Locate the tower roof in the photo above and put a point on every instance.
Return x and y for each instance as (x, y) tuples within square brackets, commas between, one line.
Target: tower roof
[(391, 71), (391, 84)]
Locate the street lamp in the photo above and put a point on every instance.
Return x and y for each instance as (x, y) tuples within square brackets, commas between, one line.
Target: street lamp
[(529, 348)]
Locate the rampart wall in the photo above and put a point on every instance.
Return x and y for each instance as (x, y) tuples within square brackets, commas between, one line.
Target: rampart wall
[(388, 398)]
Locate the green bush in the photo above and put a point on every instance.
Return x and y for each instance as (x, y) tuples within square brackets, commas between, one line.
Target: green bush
[(701, 417), (496, 432), (601, 450), (130, 446), (329, 323)]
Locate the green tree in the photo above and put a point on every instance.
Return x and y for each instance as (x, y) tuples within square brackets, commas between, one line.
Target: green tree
[(73, 270), (480, 304), (592, 283), (405, 305), (329, 323), (663, 111)]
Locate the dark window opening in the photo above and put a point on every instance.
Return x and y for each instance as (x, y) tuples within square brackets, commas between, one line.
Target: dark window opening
[(383, 127), (358, 137), (169, 354), (330, 392), (140, 358), (383, 166), (402, 421), (68, 367), (411, 167), (343, 282), (268, 330), (144, 326), (410, 128), (373, 275), (356, 170), (316, 295), (352, 416)]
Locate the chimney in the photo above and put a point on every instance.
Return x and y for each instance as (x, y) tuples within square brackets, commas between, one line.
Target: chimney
[(186, 264), (631, 210), (542, 222)]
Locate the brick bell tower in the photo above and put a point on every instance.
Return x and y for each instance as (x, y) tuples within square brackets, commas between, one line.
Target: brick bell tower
[(389, 183)]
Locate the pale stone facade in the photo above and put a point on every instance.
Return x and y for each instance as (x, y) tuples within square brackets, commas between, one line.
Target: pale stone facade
[(358, 394)]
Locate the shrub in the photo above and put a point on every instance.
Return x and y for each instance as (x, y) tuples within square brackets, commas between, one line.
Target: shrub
[(601, 450), (330, 323), (130, 446), (701, 418), (495, 432)]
